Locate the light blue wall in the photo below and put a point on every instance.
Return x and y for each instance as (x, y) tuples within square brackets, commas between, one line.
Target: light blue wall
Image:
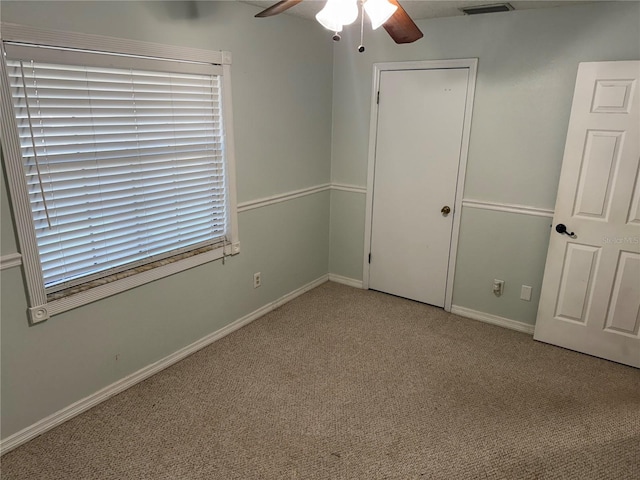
[(504, 246), (282, 116), (527, 64), (347, 219), (287, 85)]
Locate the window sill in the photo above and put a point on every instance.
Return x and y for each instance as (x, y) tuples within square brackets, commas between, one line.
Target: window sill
[(43, 312)]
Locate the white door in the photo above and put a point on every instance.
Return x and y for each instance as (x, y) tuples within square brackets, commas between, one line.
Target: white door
[(590, 299), (421, 116)]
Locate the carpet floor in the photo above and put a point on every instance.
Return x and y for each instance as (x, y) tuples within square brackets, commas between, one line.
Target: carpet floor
[(349, 384)]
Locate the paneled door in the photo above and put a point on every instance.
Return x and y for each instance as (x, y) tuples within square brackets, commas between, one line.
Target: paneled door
[(418, 146), (590, 299)]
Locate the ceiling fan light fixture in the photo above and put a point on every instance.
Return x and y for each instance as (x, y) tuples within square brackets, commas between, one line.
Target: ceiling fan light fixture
[(379, 11), (337, 13), (328, 22)]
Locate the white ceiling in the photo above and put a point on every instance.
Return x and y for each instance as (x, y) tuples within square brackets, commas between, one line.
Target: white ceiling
[(419, 9)]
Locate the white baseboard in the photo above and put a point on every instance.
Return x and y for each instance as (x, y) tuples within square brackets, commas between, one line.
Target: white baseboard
[(86, 403), (492, 319), (352, 282)]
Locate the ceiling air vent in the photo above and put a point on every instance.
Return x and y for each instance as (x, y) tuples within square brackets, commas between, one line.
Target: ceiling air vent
[(495, 8)]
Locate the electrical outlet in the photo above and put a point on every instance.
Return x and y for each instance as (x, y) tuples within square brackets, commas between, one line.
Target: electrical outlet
[(257, 280), (498, 287), (525, 293)]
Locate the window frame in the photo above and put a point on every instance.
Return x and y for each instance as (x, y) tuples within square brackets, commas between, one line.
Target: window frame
[(39, 309)]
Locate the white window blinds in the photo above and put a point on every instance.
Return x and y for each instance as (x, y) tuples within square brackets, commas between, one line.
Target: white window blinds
[(123, 157)]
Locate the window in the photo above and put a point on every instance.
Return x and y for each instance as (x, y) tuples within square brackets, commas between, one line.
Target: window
[(124, 161)]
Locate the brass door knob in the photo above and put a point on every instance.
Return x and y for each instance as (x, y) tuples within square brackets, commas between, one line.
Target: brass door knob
[(446, 210)]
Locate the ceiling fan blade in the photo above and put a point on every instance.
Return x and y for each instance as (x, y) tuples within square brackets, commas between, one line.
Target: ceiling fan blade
[(400, 27), (277, 8)]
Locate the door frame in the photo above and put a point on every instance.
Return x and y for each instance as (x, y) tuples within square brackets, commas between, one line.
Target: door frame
[(378, 68)]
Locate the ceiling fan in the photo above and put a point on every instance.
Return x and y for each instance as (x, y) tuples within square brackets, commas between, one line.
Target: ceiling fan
[(399, 25)]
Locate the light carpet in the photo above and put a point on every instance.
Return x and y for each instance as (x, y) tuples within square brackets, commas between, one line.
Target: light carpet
[(349, 384)]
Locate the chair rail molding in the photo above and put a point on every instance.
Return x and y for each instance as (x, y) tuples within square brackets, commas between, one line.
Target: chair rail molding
[(11, 260), (303, 192), (282, 197), (507, 207), (344, 187)]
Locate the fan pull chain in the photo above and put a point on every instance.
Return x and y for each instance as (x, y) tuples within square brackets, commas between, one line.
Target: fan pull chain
[(361, 46)]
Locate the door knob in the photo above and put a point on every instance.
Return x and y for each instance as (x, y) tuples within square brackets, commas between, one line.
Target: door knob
[(446, 210), (561, 228)]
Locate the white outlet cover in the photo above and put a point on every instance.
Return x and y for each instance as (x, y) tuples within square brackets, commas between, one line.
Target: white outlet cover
[(525, 293)]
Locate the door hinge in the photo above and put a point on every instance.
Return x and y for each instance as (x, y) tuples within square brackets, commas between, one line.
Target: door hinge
[(369, 258), (378, 99)]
